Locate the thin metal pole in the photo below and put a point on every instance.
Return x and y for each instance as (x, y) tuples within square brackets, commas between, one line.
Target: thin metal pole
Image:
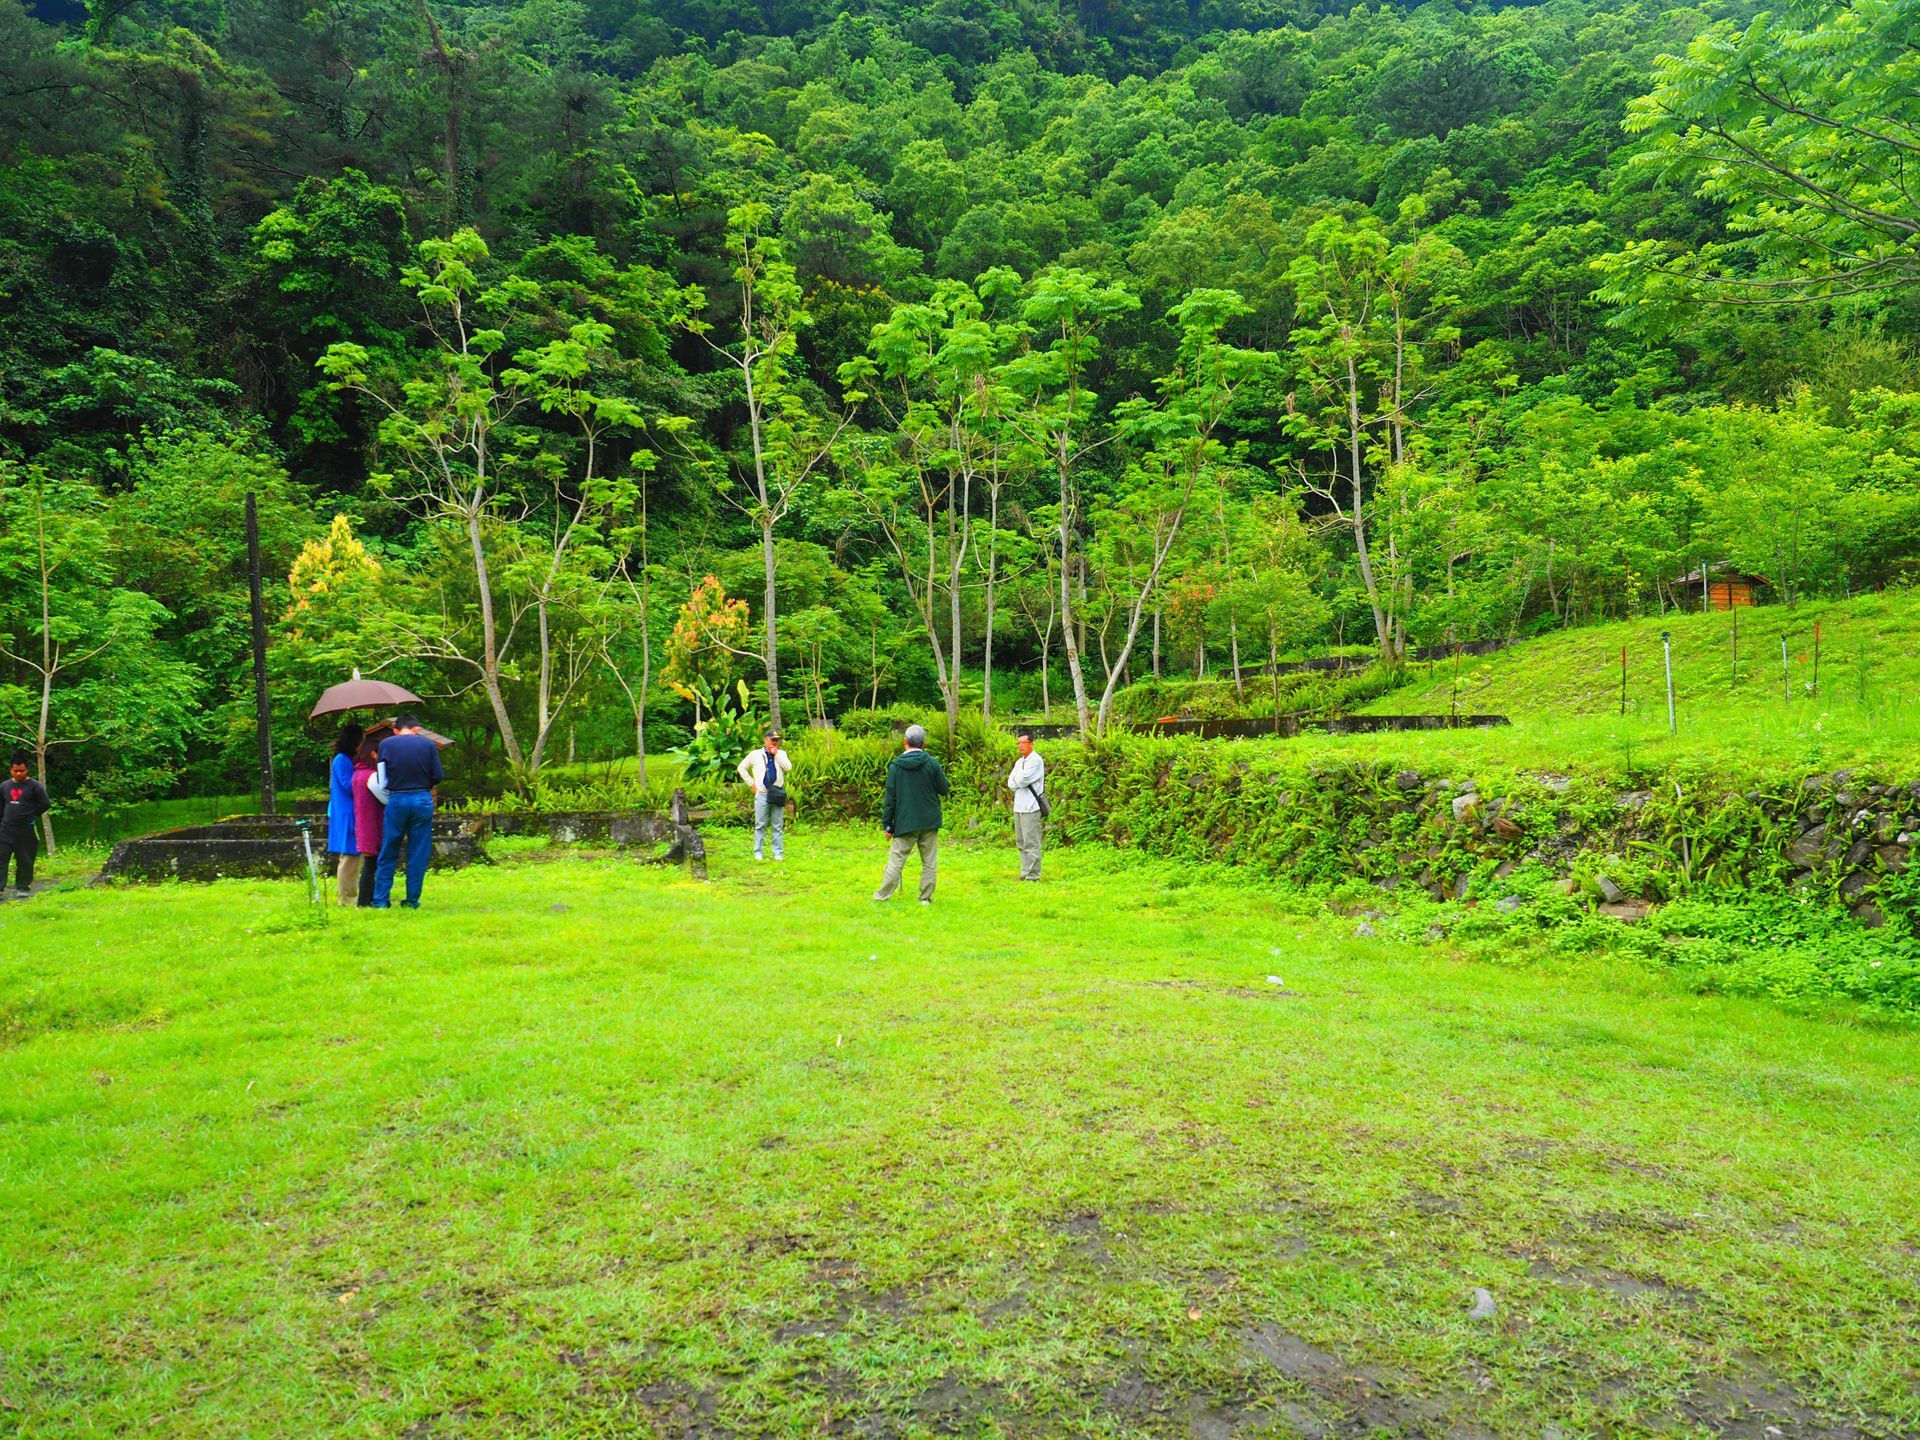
[(1666, 645), (1816, 657), (1786, 680), (1623, 680), (263, 717), (1736, 645)]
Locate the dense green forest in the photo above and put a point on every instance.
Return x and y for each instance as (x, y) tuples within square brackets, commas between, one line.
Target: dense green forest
[(589, 358)]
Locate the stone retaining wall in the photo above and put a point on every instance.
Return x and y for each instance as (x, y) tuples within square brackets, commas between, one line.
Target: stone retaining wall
[(1286, 727), (270, 846), (263, 846), (621, 829)]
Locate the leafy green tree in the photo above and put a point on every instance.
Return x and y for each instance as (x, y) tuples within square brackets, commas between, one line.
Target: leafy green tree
[(86, 672), (451, 421), (787, 440), (1801, 127), (1181, 442), (1055, 412), (1370, 312), (932, 376)]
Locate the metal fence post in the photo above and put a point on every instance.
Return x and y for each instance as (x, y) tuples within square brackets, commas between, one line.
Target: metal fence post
[(1666, 645)]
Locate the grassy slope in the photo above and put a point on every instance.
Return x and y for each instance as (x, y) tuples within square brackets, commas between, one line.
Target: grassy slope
[(1563, 690), (1577, 672), (584, 1149)]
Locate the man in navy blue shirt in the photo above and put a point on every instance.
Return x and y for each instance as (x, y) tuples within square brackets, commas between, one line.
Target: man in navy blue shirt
[(410, 763)]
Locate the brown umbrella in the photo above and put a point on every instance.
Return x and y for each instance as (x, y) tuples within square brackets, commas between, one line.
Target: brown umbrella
[(358, 694)]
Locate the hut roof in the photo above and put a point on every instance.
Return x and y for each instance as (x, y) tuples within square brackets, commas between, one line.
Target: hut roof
[(1719, 573)]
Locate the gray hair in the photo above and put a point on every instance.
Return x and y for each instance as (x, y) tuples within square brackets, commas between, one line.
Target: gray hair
[(916, 737)]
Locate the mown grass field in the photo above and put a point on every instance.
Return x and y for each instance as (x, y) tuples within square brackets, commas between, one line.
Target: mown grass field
[(587, 1149)]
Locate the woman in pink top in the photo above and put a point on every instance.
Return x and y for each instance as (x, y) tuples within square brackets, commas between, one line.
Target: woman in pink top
[(368, 817)]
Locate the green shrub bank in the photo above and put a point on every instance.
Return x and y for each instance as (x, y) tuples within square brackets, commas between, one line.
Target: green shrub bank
[(1314, 693)]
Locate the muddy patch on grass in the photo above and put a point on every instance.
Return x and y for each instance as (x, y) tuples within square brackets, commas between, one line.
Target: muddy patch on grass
[(845, 1300), (444, 1422), (956, 1405), (1751, 1403), (1235, 1419), (1616, 1283), (1139, 1397), (1432, 1204), (1086, 1236), (682, 1410), (1003, 1308), (1349, 1399), (1650, 1222), (1747, 1401), (1293, 1357)]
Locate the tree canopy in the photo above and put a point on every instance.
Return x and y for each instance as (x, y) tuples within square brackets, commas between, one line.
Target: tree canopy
[(588, 359)]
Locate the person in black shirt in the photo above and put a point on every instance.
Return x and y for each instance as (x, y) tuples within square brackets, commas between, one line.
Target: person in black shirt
[(23, 800), (410, 763)]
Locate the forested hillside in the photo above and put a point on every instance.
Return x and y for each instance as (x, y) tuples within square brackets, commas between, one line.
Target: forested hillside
[(587, 359)]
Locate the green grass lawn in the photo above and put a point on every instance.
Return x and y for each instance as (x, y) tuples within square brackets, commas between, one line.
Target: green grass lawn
[(1735, 704), (587, 1149)]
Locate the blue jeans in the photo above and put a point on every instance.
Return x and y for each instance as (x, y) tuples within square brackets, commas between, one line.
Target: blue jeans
[(409, 827)]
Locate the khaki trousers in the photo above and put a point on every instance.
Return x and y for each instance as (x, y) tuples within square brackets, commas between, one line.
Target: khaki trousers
[(1028, 828), (347, 872), (927, 842)]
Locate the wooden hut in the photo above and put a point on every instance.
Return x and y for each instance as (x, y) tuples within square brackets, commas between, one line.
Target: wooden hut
[(1719, 587)]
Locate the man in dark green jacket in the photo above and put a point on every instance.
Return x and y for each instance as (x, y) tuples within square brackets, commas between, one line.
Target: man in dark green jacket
[(911, 815)]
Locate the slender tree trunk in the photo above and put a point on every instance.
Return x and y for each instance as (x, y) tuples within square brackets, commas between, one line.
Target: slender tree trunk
[(1067, 616), (770, 646), (1138, 611), (489, 638), (956, 555), (1081, 620), (47, 662), (771, 653), (1380, 630), (1233, 620), (1273, 669), (986, 639), (646, 649), (543, 689)]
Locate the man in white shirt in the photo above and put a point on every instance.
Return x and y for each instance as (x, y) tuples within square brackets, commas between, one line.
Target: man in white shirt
[(765, 770), (1028, 782)]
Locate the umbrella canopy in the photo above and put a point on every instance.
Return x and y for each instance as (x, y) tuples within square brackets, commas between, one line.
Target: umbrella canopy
[(358, 694)]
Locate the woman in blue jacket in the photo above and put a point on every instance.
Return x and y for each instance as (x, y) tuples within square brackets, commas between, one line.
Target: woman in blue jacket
[(346, 854)]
